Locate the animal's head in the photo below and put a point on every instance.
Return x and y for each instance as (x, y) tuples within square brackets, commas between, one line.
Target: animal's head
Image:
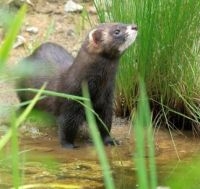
[(111, 39)]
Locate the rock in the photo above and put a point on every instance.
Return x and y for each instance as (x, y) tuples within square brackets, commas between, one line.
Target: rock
[(71, 6), (19, 3), (71, 33), (32, 29), (20, 41), (92, 10)]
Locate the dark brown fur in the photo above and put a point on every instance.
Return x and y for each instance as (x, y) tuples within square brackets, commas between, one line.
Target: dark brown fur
[(45, 64), (96, 63)]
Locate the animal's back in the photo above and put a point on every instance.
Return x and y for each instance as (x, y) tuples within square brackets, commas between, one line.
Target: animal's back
[(53, 53), (46, 64)]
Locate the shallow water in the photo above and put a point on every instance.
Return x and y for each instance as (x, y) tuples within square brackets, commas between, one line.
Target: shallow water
[(44, 161)]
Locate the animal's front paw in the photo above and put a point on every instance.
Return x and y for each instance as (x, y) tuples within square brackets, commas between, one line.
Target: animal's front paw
[(110, 141), (68, 145)]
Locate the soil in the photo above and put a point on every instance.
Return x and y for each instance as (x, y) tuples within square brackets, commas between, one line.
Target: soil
[(40, 145)]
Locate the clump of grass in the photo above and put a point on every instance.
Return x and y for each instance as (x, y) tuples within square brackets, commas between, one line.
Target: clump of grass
[(166, 54)]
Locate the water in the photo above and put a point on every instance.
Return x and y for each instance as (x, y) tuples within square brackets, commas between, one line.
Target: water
[(42, 160)]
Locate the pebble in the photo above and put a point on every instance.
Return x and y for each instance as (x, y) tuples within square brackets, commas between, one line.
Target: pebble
[(71, 6), (20, 41), (70, 33), (92, 10), (32, 29), (163, 187)]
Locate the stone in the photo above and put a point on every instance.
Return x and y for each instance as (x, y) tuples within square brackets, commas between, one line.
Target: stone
[(32, 29), (71, 6), (20, 41)]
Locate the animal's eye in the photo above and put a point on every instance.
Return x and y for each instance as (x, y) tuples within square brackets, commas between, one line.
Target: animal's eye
[(117, 32)]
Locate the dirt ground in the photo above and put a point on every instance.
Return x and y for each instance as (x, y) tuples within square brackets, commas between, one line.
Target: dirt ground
[(69, 30), (66, 29)]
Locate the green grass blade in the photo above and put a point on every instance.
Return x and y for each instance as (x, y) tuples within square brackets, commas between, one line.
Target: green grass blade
[(142, 126), (50, 30), (21, 118), (53, 93), (15, 153), (11, 35), (152, 162), (168, 125), (100, 10), (139, 132), (108, 179), (49, 185), (145, 110)]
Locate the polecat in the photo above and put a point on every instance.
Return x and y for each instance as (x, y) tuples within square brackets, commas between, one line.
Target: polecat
[(96, 63)]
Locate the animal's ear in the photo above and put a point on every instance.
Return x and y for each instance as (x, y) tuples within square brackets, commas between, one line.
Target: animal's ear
[(95, 36)]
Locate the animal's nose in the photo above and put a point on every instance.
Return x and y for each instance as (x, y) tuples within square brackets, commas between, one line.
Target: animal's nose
[(134, 27)]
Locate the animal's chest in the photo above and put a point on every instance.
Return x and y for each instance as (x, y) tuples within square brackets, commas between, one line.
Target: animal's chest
[(99, 81), (99, 86)]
